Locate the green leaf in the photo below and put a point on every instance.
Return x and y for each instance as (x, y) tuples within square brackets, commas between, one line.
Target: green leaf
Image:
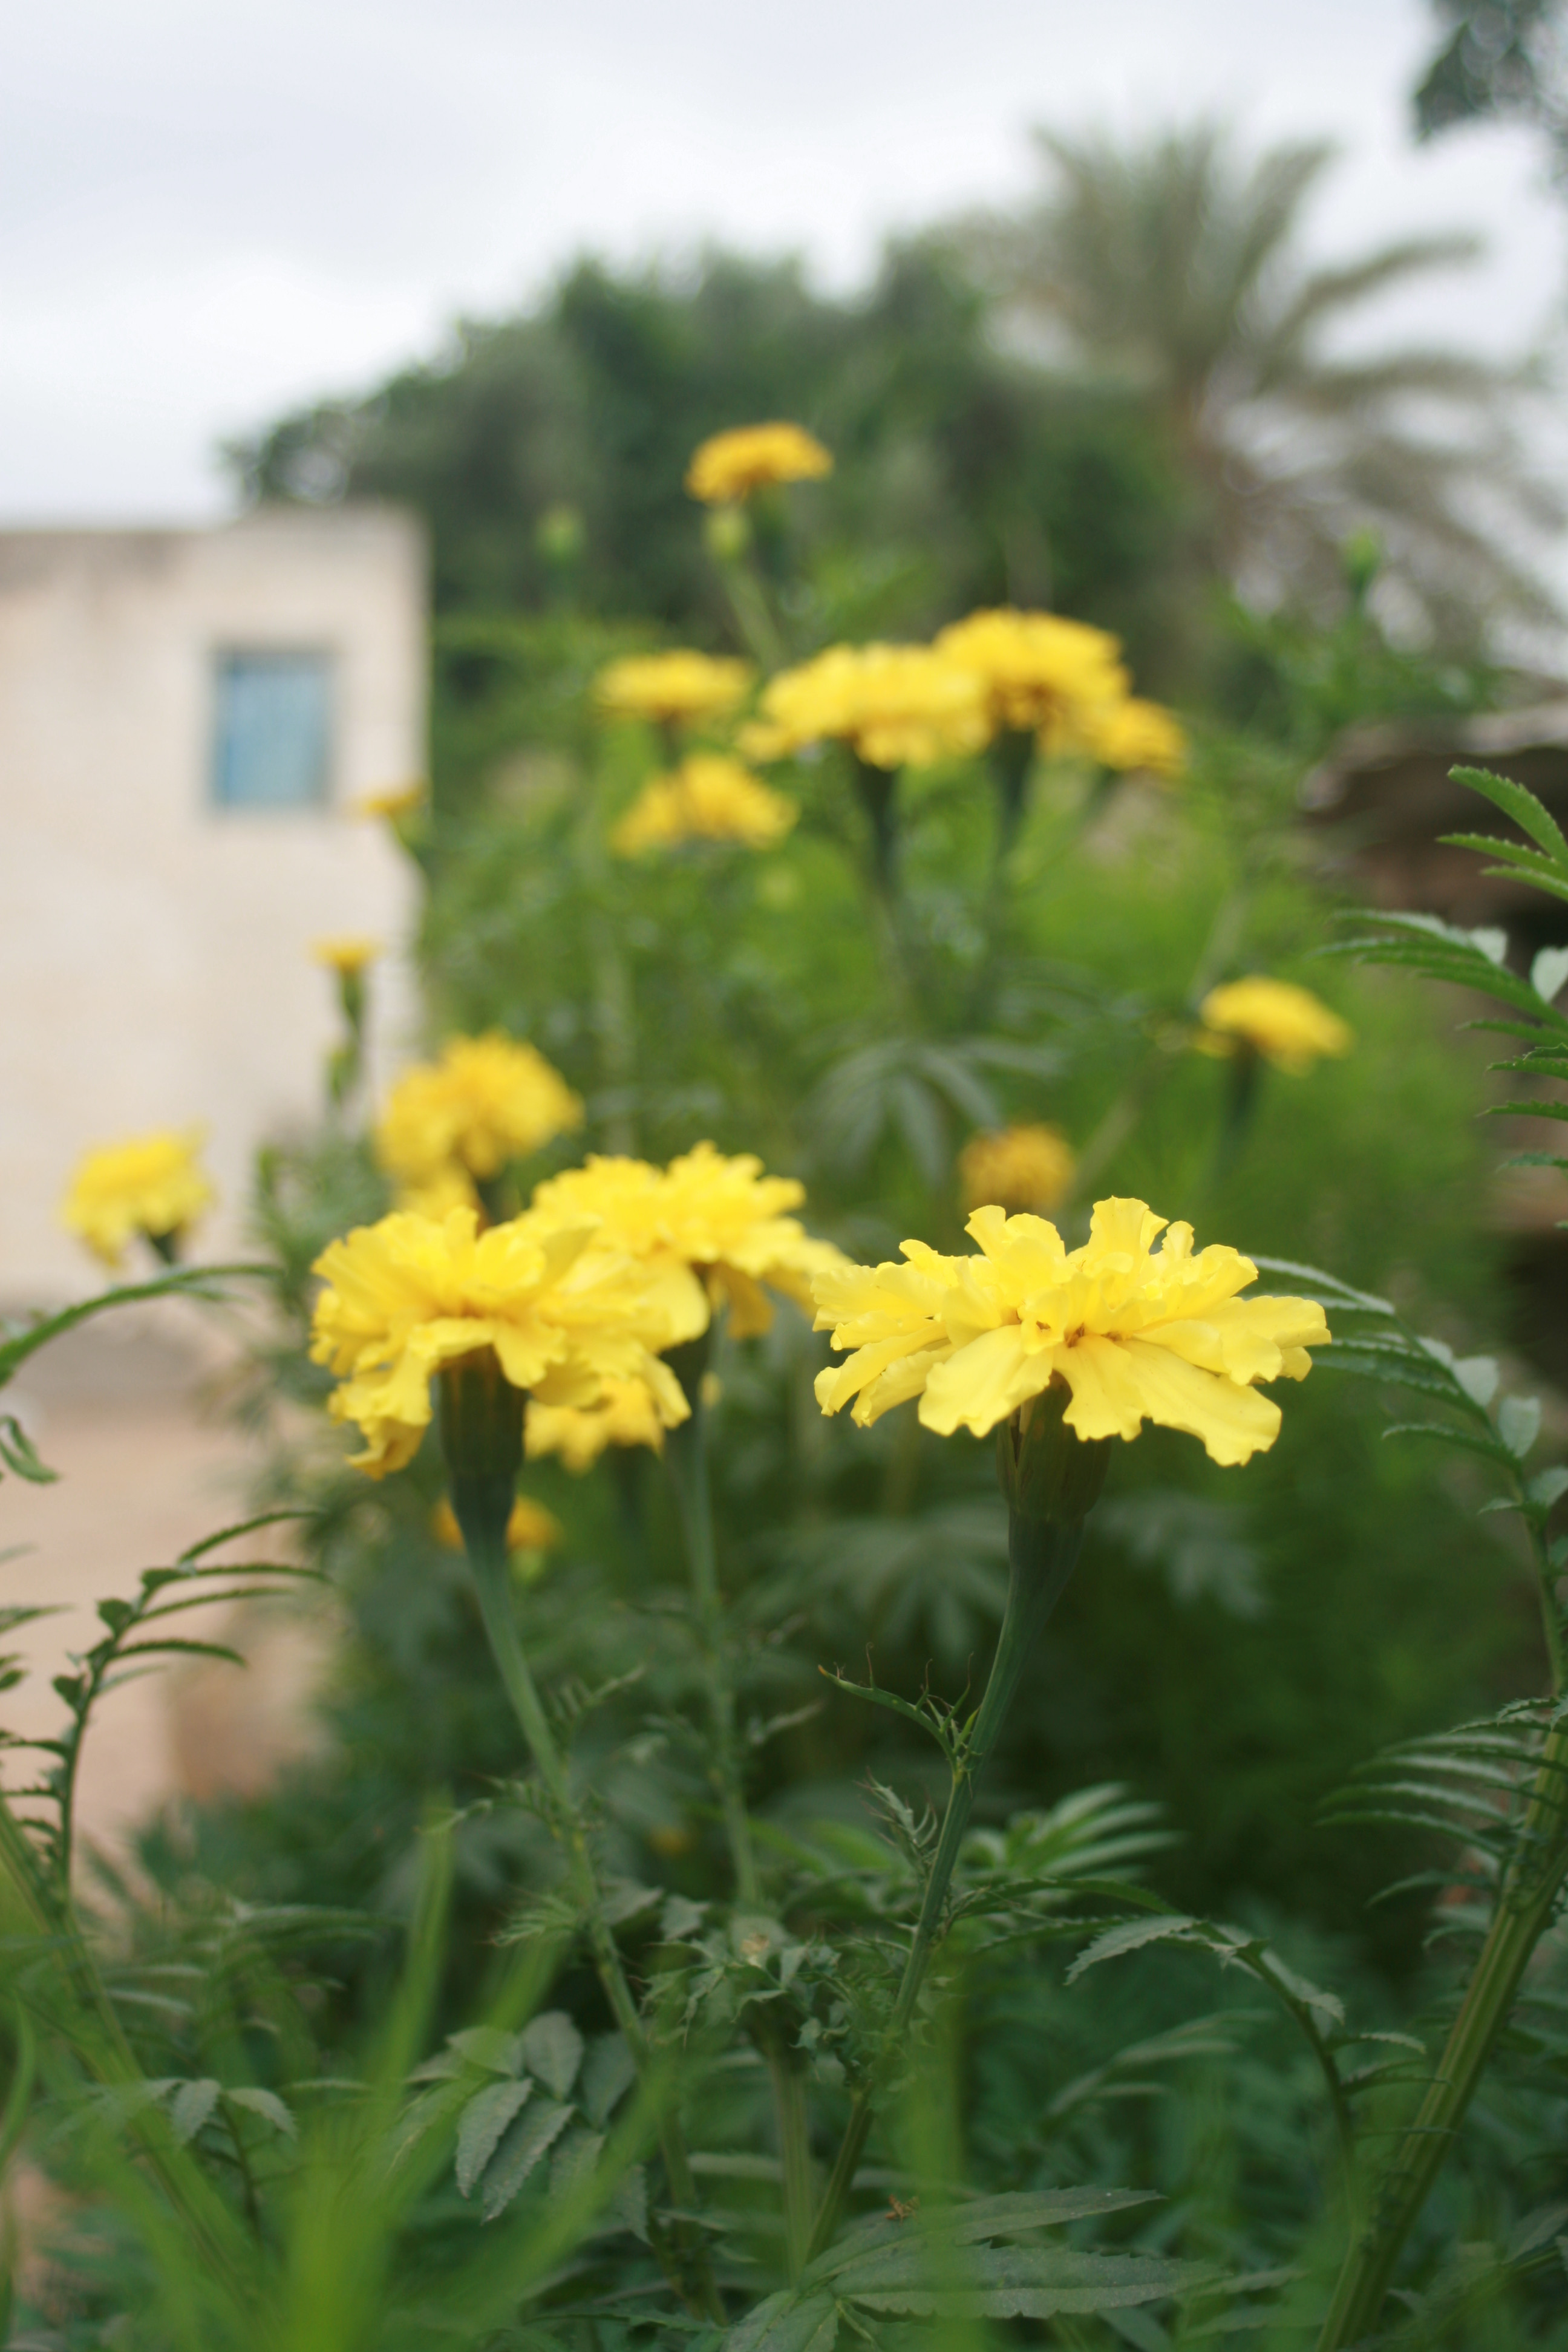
[(488, 2047), (1526, 1111), (194, 1281), (1516, 802), (19, 1453), (553, 2049), (484, 2122), (1014, 2282), (1329, 1285), (987, 2217), (269, 2105), (191, 2105), (1547, 1487), (1519, 1424), (530, 2139), (1131, 1936), (1444, 1433), (609, 2070), (780, 2323)]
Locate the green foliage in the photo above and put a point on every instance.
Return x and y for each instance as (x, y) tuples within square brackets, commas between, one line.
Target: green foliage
[(687, 1978)]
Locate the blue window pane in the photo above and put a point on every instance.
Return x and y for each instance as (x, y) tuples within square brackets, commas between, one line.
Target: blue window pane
[(273, 738)]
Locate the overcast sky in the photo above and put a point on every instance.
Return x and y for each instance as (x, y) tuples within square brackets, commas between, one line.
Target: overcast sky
[(211, 211)]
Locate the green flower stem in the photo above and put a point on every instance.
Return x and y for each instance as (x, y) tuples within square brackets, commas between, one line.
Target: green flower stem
[(685, 1455), (1525, 1905), (482, 1506), (788, 2078), (1545, 1588), (1041, 1554), (685, 1458), (753, 613)]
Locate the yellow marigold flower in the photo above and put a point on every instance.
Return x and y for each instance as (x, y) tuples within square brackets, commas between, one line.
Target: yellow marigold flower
[(671, 689), (150, 1184), (348, 955), (707, 798), (1137, 734), (721, 1218), (435, 1196), (1027, 1167), (399, 801), (1041, 672), (1287, 1025), (406, 1296), (626, 1413), (531, 1527), (486, 1101), (731, 466), (896, 705), (1136, 1334)]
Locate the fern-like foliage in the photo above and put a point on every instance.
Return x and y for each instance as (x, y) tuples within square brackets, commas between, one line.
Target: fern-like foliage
[(1476, 1788), (135, 1635)]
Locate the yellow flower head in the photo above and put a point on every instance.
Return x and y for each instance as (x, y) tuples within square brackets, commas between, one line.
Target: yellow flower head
[(721, 1218), (707, 798), (1027, 1167), (672, 689), (150, 1184), (1137, 734), (1040, 672), (896, 705), (406, 1296), (1287, 1024), (347, 955), (531, 1527), (447, 1188), (626, 1414), (731, 466), (486, 1101), (397, 801), (1136, 1333)]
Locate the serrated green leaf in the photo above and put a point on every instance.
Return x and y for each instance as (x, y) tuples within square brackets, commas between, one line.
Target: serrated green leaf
[(1129, 1935), (529, 2141), (781, 2324), (483, 2123), (1017, 2281), (1006, 2215), (487, 2047), (266, 2104), (553, 2049), (191, 2105), (1520, 803), (1443, 1432), (609, 2070), (573, 2164)]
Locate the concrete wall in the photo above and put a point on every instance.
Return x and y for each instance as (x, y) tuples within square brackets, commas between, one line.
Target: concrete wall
[(154, 948)]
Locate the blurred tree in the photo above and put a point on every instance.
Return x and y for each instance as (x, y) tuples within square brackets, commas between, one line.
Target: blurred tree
[(977, 476), (1170, 265), (1500, 58)]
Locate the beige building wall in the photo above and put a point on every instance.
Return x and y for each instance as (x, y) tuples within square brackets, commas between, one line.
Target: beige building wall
[(154, 964)]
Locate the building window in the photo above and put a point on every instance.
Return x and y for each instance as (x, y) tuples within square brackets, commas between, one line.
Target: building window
[(273, 732)]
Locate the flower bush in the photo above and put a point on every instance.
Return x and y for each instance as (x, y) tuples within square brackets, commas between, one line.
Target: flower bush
[(620, 1968)]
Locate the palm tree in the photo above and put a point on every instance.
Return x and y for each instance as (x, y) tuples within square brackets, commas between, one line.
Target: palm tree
[(1173, 265)]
